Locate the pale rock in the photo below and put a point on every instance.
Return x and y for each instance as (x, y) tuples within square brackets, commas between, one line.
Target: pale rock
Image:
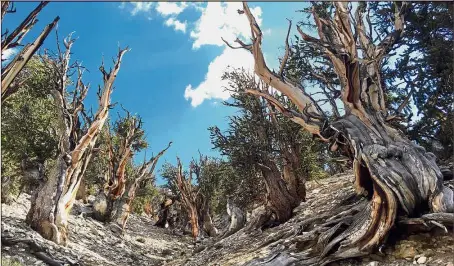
[(422, 260)]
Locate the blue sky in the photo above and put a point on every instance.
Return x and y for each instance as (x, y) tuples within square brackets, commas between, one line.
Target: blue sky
[(171, 76)]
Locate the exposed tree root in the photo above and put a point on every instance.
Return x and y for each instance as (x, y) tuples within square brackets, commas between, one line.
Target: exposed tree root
[(314, 241), (39, 251)]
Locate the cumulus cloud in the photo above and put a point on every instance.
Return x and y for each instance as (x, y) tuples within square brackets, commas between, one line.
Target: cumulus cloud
[(222, 20), (170, 8), (176, 24), (213, 86), (140, 7)]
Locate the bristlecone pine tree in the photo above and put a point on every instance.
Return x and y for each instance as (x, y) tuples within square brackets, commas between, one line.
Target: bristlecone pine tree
[(53, 200), (189, 188), (113, 203), (13, 40), (397, 177), (188, 197), (261, 142)]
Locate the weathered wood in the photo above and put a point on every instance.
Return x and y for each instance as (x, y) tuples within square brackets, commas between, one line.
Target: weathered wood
[(52, 201), (396, 176), (115, 206), (12, 69), (237, 218)]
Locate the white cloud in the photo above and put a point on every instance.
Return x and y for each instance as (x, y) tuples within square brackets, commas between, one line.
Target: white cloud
[(141, 7), (8, 55), (177, 25), (222, 20), (213, 86), (170, 8)]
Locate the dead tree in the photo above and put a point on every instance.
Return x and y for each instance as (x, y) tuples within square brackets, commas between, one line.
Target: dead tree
[(53, 200), (13, 40), (187, 196), (122, 207), (116, 203), (397, 177)]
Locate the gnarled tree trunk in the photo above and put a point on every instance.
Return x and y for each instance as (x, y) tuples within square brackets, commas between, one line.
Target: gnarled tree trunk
[(279, 199), (397, 177), (205, 218), (53, 200), (291, 171)]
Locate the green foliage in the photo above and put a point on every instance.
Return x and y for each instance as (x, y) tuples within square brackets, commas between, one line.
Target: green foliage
[(29, 126), (169, 173), (252, 138), (424, 68), (121, 128), (144, 194)]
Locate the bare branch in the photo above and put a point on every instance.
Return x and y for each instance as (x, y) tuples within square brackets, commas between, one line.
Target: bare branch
[(294, 92), (287, 50), (23, 28), (21, 59)]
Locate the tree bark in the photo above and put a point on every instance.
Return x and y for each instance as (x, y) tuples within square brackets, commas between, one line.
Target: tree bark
[(116, 208), (279, 200), (237, 218), (205, 218), (53, 200), (164, 212), (397, 177), (82, 191), (12, 69)]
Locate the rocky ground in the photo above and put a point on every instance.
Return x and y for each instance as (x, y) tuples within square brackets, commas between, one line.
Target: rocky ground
[(92, 243)]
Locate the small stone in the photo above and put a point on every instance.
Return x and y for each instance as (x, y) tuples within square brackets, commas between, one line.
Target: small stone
[(450, 264), (422, 260), (199, 249), (166, 252), (373, 263)]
